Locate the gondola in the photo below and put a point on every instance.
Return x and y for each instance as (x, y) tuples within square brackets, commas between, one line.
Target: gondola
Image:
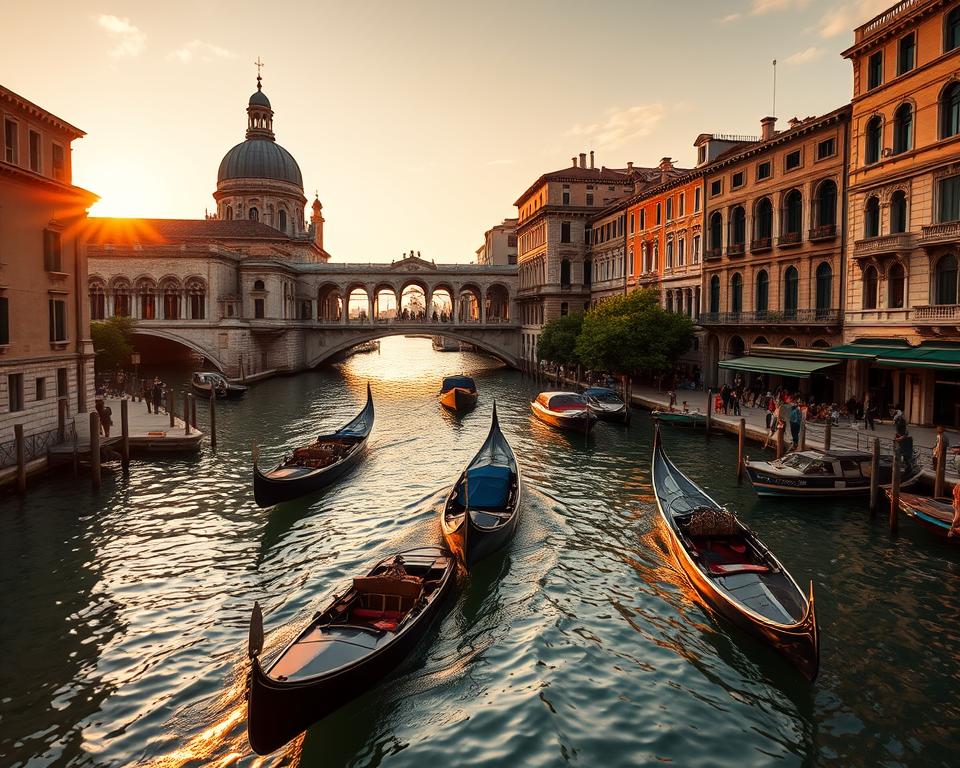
[(458, 393), (315, 466), (935, 515), (371, 625), (688, 418), (606, 404), (203, 382), (733, 571), (564, 410), (490, 489)]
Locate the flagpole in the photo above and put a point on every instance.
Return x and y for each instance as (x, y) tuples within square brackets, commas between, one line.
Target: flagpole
[(774, 113)]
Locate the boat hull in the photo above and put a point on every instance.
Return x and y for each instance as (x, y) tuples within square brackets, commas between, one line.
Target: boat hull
[(583, 422), (692, 419), (617, 415), (770, 484), (936, 515), (268, 491), (232, 392), (459, 399), (483, 542)]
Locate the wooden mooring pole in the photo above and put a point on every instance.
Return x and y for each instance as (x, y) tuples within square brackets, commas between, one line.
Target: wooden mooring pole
[(193, 411), (780, 429), (170, 405), (213, 419), (124, 433), (741, 438), (875, 477), (709, 409), (827, 432), (61, 419), (21, 459), (186, 414), (95, 450), (895, 497), (803, 435)]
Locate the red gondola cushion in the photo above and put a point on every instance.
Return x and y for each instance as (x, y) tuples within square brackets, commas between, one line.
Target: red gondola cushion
[(372, 613), (737, 568), (385, 626)]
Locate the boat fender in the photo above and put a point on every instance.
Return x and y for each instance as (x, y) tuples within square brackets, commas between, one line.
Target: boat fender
[(255, 640)]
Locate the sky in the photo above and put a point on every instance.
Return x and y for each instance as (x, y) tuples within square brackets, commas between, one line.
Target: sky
[(421, 122)]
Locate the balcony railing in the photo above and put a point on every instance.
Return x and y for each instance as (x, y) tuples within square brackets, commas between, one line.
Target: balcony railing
[(871, 246), (709, 254), (760, 244), (736, 249), (940, 234), (824, 232), (937, 312), (788, 239), (772, 317)]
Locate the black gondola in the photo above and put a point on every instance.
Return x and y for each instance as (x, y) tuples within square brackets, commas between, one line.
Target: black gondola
[(489, 489), (606, 404), (204, 382), (732, 570), (315, 466), (458, 393), (347, 648)]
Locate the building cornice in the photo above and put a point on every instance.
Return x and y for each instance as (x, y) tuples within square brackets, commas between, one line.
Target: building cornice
[(29, 177), (39, 113), (890, 23)]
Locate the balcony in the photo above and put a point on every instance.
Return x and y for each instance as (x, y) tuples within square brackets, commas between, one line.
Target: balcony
[(761, 244), (773, 317), (789, 239), (947, 233), (736, 249), (711, 254), (933, 314), (823, 232), (873, 246)]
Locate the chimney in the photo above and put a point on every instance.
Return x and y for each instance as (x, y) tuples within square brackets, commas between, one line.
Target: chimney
[(768, 128), (666, 165), (583, 159), (574, 160), (629, 166), (793, 122), (591, 158)]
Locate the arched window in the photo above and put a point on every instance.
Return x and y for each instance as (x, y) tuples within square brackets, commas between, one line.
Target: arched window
[(824, 289), (171, 300), (945, 280), (565, 272), (764, 222), (738, 229), (898, 212), (895, 286), (258, 285), (282, 220), (871, 218), (716, 230), (874, 140), (228, 213), (791, 292), (668, 256), (736, 293), (715, 294), (668, 301), (870, 278), (98, 301), (763, 291), (656, 255), (950, 109), (793, 216), (788, 343), (122, 298), (760, 340), (903, 129), (197, 291), (253, 214), (146, 289), (951, 30), (825, 206)]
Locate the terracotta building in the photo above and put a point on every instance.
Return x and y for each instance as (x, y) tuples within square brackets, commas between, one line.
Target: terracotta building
[(772, 270), (45, 350), (902, 321)]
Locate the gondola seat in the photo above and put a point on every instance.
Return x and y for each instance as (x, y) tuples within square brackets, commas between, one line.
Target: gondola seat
[(725, 569), (393, 594)]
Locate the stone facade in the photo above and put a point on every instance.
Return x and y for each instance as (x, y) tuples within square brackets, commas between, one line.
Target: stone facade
[(499, 245), (606, 253)]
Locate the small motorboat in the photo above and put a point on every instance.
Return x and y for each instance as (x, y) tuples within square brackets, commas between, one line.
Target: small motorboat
[(483, 508), (820, 473), (317, 465), (606, 404), (203, 383), (688, 418), (935, 515), (733, 571), (458, 393), (564, 410), (349, 647)]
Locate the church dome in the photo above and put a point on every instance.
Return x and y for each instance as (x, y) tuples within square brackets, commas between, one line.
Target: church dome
[(259, 159), (259, 99)]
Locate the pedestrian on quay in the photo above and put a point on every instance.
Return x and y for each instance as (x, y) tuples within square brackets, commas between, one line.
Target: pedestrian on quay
[(157, 394), (672, 396), (106, 416), (941, 447), (795, 419), (868, 413), (146, 390), (725, 397)]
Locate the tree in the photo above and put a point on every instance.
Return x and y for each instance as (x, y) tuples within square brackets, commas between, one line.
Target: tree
[(111, 342), (558, 340), (633, 334)]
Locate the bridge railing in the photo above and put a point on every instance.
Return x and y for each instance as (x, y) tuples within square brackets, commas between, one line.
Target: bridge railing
[(381, 322)]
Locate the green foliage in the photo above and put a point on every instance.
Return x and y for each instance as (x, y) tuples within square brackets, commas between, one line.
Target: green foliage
[(558, 340), (111, 342), (633, 334)]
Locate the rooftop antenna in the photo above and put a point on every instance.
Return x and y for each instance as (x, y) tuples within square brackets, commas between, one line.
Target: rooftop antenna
[(774, 113)]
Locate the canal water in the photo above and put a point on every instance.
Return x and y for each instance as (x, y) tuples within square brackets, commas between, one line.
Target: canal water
[(125, 613)]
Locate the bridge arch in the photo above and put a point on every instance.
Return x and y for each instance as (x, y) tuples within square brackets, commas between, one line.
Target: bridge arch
[(160, 333)]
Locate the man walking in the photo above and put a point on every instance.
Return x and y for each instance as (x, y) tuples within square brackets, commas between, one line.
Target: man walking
[(795, 419), (157, 394)]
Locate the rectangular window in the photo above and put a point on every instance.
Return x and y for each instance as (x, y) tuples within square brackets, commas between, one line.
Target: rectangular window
[(51, 250), (643, 219), (792, 160), (15, 391), (34, 151), (61, 382), (683, 203), (566, 194), (589, 198), (258, 308), (41, 388), (630, 261), (764, 170), (875, 71), (716, 187), (907, 54), (696, 249), (738, 180), (669, 208), (701, 155), (826, 148), (696, 200), (58, 320), (631, 223), (950, 199), (681, 243), (11, 142), (659, 209), (4, 320), (565, 232), (59, 169)]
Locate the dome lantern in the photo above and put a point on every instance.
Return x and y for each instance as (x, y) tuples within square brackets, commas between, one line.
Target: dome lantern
[(259, 115)]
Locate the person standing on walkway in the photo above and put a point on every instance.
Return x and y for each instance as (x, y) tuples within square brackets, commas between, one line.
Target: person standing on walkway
[(902, 441), (868, 412), (725, 397), (147, 393), (735, 401), (795, 419), (157, 394), (941, 447)]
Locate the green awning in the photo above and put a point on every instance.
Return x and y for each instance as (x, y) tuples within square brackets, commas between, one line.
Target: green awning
[(900, 355), (778, 366)]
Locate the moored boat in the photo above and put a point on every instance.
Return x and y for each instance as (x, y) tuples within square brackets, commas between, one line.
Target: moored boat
[(935, 515), (317, 465), (690, 418), (370, 626), (606, 404), (458, 393), (205, 382), (815, 473), (732, 569), (482, 510), (564, 410)]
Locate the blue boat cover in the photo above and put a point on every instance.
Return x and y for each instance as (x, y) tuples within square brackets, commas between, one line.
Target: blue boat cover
[(488, 486), (464, 382), (598, 391)]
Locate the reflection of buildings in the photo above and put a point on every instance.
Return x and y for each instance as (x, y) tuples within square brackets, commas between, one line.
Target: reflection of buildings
[(499, 244), (45, 349)]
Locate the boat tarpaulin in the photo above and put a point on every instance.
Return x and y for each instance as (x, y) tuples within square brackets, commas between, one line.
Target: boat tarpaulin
[(488, 486), (778, 366), (458, 382)]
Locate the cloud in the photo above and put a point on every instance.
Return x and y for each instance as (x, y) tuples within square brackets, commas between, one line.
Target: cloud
[(761, 7), (130, 41), (620, 126), (729, 18), (804, 57), (843, 18), (200, 50)]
